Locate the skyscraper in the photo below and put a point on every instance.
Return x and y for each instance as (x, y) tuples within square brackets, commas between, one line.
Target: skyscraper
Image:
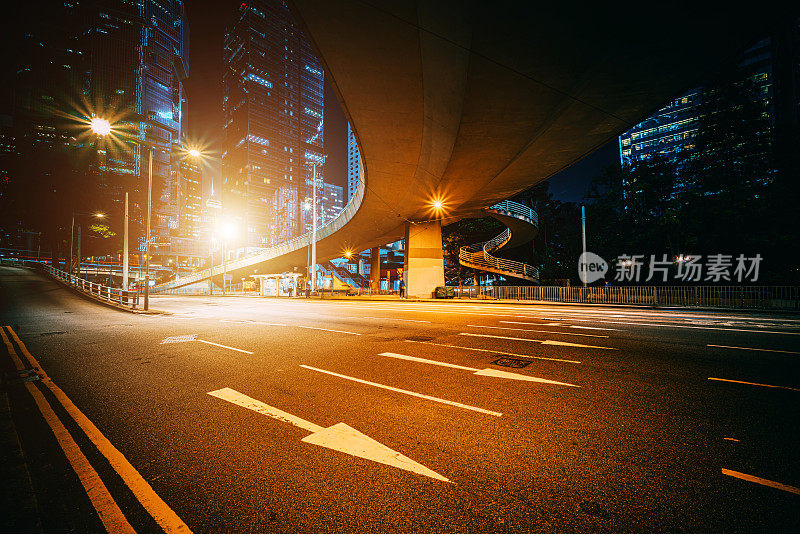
[(671, 130), (353, 163), (115, 59), (273, 109)]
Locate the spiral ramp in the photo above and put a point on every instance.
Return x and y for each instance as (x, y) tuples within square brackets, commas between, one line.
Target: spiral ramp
[(522, 226)]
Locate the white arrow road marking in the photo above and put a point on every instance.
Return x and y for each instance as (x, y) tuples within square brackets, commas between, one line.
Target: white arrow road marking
[(480, 372), (339, 437), (343, 438), (423, 360), (542, 341), (398, 390), (565, 344), (540, 331), (240, 399)]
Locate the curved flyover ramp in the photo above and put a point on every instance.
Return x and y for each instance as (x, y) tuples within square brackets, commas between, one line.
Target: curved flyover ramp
[(472, 102), (522, 226)]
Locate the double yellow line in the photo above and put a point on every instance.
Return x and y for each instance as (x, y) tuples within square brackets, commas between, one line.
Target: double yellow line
[(110, 514)]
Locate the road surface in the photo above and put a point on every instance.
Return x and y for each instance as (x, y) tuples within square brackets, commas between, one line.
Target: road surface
[(276, 415)]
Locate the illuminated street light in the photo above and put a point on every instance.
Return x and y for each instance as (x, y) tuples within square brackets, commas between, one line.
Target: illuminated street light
[(100, 126), (100, 215), (194, 153), (348, 254)]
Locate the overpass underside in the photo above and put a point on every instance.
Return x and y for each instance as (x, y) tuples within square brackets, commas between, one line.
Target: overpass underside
[(470, 103)]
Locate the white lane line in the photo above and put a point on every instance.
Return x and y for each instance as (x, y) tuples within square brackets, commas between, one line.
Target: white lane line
[(539, 331), (223, 346), (499, 337), (339, 437), (753, 348), (561, 324), (396, 319), (328, 330), (762, 481), (308, 327), (496, 373), (398, 390), (423, 360), (492, 351), (752, 383), (596, 328), (687, 326)]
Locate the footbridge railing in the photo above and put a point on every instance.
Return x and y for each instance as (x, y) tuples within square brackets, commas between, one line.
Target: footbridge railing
[(479, 255)]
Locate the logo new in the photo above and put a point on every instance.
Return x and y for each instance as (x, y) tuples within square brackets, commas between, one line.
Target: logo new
[(591, 267)]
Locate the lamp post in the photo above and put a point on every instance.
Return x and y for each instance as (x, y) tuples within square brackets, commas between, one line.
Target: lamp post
[(97, 215), (102, 127), (313, 165), (147, 234)]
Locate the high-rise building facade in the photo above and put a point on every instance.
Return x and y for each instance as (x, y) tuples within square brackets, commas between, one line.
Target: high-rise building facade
[(273, 108), (116, 59), (671, 130), (353, 163)]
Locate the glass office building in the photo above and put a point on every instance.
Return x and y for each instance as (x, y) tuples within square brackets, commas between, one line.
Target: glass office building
[(273, 109)]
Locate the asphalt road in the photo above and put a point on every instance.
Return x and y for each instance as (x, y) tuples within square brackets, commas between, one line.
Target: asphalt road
[(620, 420)]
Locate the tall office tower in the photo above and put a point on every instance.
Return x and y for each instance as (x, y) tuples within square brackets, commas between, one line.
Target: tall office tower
[(273, 108), (671, 130), (136, 55), (190, 193), (353, 163), (332, 202)]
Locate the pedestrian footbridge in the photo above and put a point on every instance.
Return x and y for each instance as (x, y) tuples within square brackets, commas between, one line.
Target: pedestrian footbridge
[(522, 226)]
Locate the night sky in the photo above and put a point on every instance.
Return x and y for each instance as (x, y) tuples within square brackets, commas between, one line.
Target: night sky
[(207, 22)]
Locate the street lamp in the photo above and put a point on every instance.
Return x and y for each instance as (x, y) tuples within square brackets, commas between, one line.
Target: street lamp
[(100, 126), (72, 238)]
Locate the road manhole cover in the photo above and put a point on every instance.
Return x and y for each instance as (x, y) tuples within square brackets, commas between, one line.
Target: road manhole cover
[(514, 363), (420, 338), (179, 339)]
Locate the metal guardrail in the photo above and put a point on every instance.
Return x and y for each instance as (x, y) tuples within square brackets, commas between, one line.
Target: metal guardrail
[(478, 256), (744, 297), (273, 252), (114, 295), (520, 211)]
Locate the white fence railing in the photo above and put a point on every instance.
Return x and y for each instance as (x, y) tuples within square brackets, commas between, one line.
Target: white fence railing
[(750, 297), (115, 295)]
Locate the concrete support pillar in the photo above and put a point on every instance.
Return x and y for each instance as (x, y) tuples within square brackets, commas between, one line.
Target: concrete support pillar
[(423, 269), (375, 268)]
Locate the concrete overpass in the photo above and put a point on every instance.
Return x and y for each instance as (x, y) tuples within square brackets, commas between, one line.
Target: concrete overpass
[(472, 102)]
